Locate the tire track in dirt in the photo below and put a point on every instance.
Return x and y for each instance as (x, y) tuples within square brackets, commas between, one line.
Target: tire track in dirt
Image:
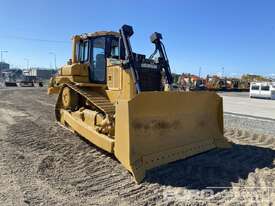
[(72, 164), (70, 171)]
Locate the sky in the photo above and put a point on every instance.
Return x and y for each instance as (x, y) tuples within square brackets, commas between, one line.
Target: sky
[(206, 35)]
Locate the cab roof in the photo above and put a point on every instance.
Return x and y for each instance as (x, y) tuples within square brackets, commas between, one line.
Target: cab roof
[(99, 33)]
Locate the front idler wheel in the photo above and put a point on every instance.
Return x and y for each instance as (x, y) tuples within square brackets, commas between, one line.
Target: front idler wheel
[(70, 99)]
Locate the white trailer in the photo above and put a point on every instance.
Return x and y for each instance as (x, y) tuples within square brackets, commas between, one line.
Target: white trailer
[(262, 90)]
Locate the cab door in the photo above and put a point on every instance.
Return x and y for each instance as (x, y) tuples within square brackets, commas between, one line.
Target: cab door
[(97, 69)]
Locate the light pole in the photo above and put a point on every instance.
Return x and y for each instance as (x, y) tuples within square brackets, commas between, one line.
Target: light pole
[(200, 72), (28, 62), (222, 71), (2, 51), (54, 59)]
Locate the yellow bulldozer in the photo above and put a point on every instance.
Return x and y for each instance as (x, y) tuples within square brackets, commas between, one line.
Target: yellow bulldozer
[(123, 103)]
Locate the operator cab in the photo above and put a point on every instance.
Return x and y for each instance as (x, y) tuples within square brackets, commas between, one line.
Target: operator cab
[(149, 74), (93, 49)]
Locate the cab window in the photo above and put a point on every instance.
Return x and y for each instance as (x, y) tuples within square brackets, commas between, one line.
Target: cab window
[(98, 63), (83, 51), (114, 48)]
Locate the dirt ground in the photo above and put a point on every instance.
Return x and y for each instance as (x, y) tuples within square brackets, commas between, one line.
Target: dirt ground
[(42, 163)]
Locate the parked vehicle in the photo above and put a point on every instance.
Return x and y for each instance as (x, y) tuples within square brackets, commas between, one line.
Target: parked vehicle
[(190, 82), (262, 90), (30, 81)]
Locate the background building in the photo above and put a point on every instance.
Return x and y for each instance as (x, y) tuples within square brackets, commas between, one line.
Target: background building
[(4, 66)]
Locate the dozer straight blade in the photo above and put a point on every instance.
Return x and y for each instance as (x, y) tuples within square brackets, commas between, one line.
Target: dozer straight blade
[(155, 128)]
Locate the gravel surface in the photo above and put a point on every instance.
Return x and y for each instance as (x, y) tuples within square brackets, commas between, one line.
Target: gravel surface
[(261, 126), (45, 164)]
